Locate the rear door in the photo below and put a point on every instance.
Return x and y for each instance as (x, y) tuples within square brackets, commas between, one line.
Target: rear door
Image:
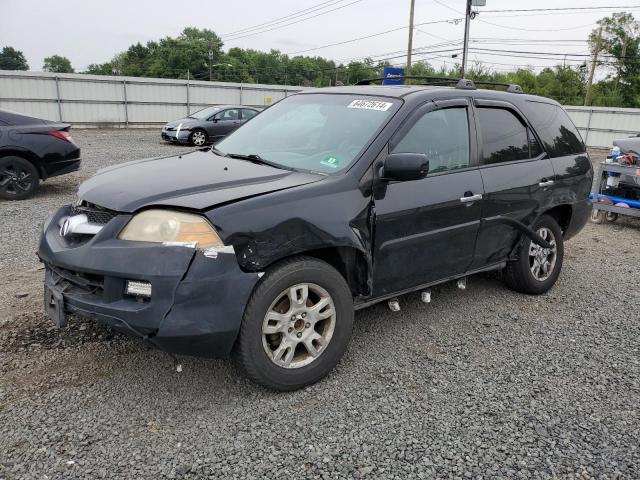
[(517, 177), (425, 230), (247, 114)]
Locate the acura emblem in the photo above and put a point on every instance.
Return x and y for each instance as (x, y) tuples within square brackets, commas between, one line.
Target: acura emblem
[(77, 225)]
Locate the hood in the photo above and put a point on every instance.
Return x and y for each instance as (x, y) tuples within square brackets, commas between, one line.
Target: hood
[(184, 121), (197, 180)]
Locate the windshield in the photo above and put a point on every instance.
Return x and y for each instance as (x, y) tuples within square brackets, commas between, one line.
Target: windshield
[(205, 113), (317, 132)]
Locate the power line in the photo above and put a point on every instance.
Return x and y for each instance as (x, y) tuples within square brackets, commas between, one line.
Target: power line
[(284, 18), (414, 50), (516, 28), (536, 29), (532, 53), (616, 7), (371, 36), (430, 34), (291, 23)]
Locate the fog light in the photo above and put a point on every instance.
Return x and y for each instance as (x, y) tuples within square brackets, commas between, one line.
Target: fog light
[(138, 289)]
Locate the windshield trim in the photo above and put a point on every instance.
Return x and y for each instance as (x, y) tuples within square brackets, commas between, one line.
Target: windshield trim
[(215, 109)]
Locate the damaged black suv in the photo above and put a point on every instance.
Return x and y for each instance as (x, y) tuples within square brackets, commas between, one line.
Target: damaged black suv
[(329, 201)]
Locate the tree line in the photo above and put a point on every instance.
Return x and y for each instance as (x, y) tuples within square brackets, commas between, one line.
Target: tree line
[(197, 54)]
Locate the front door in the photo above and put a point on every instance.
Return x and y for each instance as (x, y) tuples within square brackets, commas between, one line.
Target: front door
[(517, 176), (225, 122), (425, 230)]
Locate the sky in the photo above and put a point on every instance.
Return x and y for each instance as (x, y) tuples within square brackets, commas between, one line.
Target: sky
[(92, 31)]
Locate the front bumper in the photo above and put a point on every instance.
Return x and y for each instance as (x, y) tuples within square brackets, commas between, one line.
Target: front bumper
[(175, 137), (197, 301)]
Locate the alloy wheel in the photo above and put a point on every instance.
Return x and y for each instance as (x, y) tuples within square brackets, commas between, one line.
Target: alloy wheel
[(542, 261), (198, 138), (14, 179), (298, 325)]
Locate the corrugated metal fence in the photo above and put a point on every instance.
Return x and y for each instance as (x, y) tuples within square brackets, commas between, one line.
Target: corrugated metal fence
[(599, 126), (106, 101)]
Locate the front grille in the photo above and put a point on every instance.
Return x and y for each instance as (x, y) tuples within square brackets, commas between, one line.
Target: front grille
[(95, 214), (89, 283)]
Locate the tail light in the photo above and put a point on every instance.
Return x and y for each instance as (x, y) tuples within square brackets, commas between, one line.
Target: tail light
[(62, 135)]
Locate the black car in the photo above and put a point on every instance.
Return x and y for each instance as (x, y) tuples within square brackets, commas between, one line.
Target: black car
[(32, 149), (207, 125), (329, 201)]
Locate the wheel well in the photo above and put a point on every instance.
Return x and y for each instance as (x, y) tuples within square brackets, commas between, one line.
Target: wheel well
[(28, 156), (349, 262), (562, 215)]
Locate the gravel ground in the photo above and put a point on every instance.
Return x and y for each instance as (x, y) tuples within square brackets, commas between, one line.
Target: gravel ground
[(484, 383)]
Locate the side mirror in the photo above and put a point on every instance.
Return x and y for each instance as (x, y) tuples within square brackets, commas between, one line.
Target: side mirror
[(405, 167), (215, 119)]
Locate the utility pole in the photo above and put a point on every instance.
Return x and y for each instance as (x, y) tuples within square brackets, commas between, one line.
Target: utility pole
[(210, 60), (596, 52), (465, 49), (410, 45), (622, 58)]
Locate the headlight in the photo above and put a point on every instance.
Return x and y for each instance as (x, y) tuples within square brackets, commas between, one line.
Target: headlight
[(166, 226)]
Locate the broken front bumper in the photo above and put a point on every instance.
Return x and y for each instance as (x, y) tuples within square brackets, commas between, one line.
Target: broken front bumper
[(196, 304)]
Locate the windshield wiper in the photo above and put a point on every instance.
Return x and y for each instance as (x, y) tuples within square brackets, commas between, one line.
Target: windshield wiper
[(218, 152), (255, 158)]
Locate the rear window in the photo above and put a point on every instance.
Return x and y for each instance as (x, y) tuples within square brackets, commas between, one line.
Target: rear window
[(556, 130), (504, 137)]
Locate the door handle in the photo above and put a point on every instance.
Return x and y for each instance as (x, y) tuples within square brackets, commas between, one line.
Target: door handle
[(545, 183), (471, 198)]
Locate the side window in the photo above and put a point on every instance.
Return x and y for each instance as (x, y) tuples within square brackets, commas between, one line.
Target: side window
[(228, 115), (247, 114), (555, 128), (504, 137), (443, 136)]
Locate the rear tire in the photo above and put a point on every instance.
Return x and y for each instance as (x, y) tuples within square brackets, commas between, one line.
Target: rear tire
[(19, 178), (537, 269), (198, 137), (296, 325)]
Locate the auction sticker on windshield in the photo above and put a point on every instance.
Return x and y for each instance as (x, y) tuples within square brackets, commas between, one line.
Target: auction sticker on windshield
[(329, 161), (370, 105)]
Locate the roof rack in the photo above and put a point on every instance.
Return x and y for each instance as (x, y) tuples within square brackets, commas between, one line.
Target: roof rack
[(461, 83)]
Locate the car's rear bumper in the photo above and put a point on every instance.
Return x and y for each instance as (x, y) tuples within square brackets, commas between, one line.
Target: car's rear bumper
[(61, 167), (197, 301)]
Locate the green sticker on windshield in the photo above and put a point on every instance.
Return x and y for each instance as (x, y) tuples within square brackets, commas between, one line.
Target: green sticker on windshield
[(329, 161)]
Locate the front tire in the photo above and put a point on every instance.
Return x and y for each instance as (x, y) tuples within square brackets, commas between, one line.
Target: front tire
[(19, 178), (296, 325), (537, 269), (198, 137)]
